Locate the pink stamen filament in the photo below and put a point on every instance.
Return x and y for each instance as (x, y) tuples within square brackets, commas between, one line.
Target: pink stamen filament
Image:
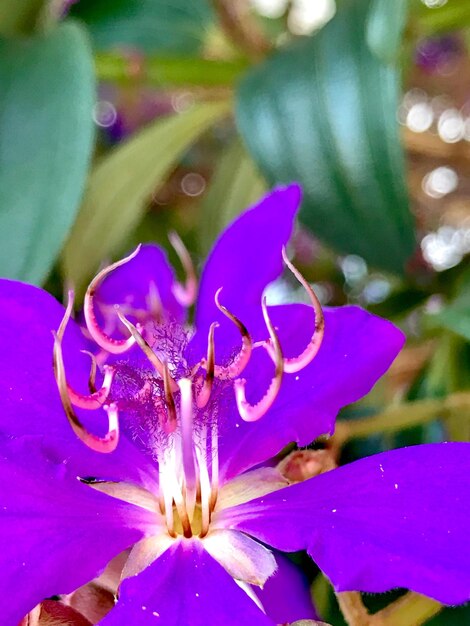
[(236, 367), (250, 412), (187, 443), (204, 394), (96, 399), (114, 346), (105, 444), (295, 364), (145, 347), (205, 487), (214, 463), (154, 303), (185, 295), (170, 423), (93, 368)]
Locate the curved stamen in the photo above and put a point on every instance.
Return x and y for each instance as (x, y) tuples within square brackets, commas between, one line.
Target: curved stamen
[(145, 347), (98, 397), (236, 367), (154, 302), (93, 369), (105, 444), (250, 412), (295, 364), (184, 294), (114, 346), (204, 394), (170, 424)]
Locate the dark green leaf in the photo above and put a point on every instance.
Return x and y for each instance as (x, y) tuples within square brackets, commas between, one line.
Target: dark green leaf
[(46, 131), (323, 112), (172, 26), (121, 184), (235, 186), (385, 24)]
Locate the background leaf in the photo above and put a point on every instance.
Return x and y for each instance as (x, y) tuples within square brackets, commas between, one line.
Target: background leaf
[(173, 26), (385, 24), (122, 182), (19, 17), (325, 115), (46, 138), (236, 184)]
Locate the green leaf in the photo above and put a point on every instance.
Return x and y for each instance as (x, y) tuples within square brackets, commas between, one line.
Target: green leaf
[(236, 184), (172, 26), (46, 131), (174, 71), (19, 17), (385, 24), (121, 184), (456, 315), (322, 111), (453, 15)]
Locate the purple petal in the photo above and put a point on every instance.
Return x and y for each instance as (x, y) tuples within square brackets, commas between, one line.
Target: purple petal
[(244, 260), (184, 586), (357, 350), (55, 532), (30, 403), (286, 596), (134, 283), (397, 519)]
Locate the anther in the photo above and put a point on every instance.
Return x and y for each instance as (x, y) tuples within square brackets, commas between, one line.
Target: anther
[(145, 347), (105, 444), (250, 412), (236, 367), (184, 294), (114, 346), (204, 394)]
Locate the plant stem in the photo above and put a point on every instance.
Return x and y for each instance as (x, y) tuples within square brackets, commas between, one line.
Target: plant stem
[(405, 415), (236, 21), (412, 609), (176, 72), (353, 609)]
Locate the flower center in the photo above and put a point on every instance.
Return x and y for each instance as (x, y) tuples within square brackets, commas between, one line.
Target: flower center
[(173, 406)]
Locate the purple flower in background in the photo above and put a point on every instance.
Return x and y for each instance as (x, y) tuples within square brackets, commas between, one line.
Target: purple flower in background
[(174, 433), (435, 53)]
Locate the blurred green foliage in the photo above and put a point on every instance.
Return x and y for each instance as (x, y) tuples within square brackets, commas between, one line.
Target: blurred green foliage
[(307, 114)]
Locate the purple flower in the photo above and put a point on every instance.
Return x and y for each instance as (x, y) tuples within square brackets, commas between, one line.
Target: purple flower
[(174, 434)]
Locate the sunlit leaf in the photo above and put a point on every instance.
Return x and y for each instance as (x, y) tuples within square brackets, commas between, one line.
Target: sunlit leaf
[(236, 185), (174, 71), (172, 26), (122, 183), (46, 131), (322, 111), (450, 15)]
